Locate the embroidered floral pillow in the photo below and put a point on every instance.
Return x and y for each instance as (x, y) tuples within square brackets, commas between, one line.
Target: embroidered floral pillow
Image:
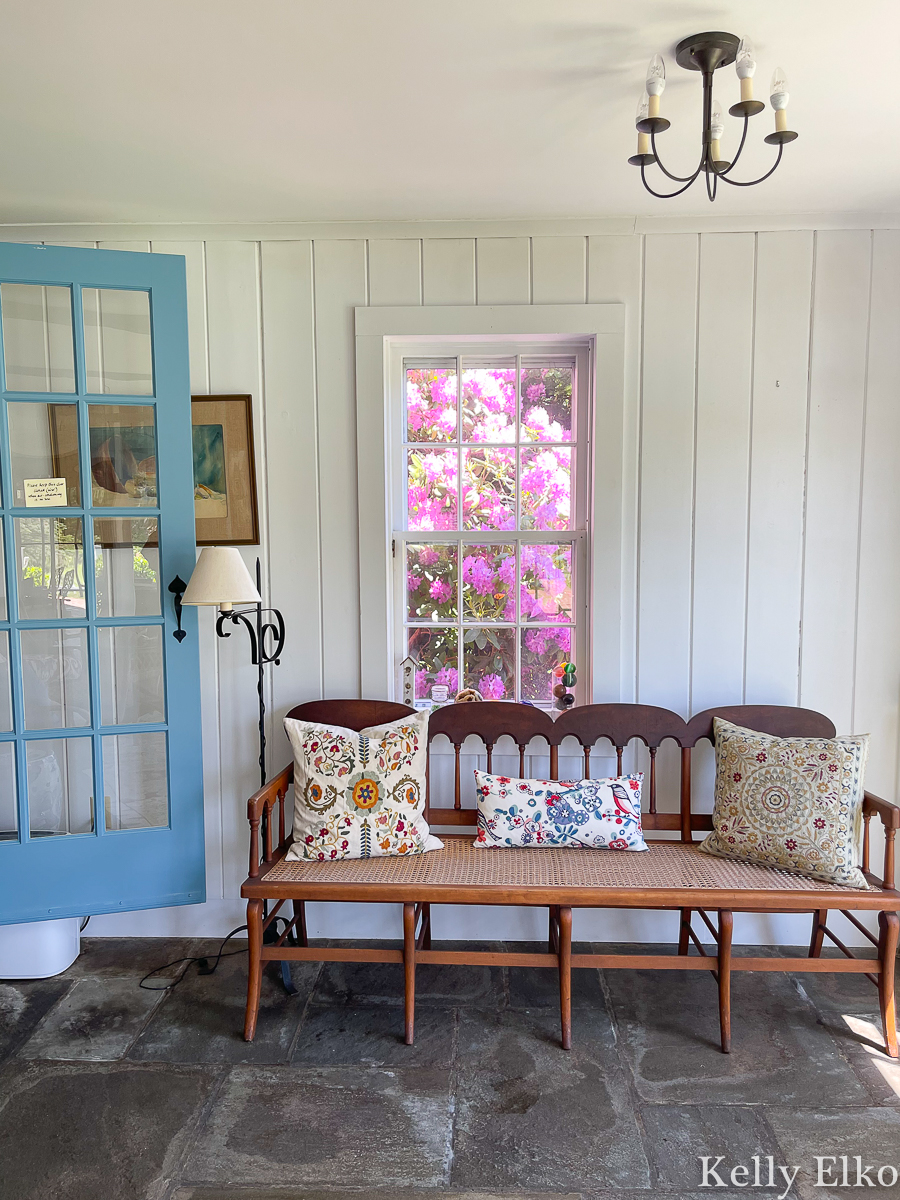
[(603, 813), (789, 802), (360, 795)]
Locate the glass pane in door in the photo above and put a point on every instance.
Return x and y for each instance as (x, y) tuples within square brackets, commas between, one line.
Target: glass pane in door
[(131, 675), (50, 573), (56, 678), (126, 566), (60, 786), (37, 338), (123, 455), (2, 579), (6, 721), (135, 781), (118, 349), (9, 817), (43, 446)]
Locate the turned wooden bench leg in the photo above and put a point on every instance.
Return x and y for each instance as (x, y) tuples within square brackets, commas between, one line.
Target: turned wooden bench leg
[(889, 925), (409, 970), (254, 969), (426, 926), (300, 922), (684, 942), (565, 975), (820, 919), (726, 928), (552, 928)]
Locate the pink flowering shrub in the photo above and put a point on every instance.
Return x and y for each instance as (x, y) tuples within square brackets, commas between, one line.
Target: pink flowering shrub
[(489, 489), (431, 582), (431, 492), (547, 404), (546, 488), (436, 652), (488, 575), (546, 589), (542, 649), (488, 405), (499, 483), (431, 405), (492, 687)]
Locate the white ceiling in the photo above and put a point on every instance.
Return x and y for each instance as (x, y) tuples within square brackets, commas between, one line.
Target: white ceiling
[(299, 110)]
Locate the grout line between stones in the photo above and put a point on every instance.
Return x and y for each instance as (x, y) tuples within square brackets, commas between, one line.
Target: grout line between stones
[(196, 1126), (292, 1048), (634, 1097)]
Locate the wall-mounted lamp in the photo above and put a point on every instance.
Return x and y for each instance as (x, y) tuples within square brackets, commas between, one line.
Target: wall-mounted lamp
[(221, 579)]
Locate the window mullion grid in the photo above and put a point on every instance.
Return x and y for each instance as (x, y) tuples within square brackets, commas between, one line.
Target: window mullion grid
[(460, 679), (517, 580), (460, 682), (573, 535)]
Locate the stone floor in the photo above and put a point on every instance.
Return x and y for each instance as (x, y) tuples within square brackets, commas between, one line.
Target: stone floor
[(111, 1092)]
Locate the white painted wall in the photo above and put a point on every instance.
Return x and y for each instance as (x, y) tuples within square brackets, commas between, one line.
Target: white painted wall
[(760, 482)]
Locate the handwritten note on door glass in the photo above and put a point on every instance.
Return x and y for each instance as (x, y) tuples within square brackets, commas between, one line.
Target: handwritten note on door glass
[(45, 493)]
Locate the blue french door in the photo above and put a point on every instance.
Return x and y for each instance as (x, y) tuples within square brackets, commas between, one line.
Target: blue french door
[(100, 770)]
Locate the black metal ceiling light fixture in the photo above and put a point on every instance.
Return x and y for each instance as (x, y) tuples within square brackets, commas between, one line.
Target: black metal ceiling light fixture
[(707, 52)]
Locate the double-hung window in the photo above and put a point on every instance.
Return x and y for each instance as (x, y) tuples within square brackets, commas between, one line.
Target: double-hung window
[(489, 527)]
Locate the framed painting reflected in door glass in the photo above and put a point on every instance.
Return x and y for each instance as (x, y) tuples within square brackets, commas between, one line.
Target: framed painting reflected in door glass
[(225, 507)]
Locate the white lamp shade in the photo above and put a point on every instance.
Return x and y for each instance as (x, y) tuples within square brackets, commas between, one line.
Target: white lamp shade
[(220, 577)]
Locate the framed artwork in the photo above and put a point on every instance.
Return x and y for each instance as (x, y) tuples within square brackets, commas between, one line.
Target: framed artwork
[(225, 507), (123, 465)]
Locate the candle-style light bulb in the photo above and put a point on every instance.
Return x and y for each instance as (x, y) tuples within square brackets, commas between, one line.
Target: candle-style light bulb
[(717, 122), (745, 66), (778, 98), (716, 129), (643, 110), (656, 82)]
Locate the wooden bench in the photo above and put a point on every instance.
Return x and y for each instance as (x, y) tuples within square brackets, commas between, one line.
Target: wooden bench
[(672, 875)]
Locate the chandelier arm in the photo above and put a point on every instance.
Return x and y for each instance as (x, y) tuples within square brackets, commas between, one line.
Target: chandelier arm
[(754, 182), (668, 174), (712, 182), (666, 195), (733, 164)]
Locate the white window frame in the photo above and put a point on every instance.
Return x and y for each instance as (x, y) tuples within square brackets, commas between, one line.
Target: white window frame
[(384, 336), (576, 351)]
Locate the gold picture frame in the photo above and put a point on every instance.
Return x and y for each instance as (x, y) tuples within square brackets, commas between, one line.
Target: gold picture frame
[(225, 501), (224, 462), (122, 475)]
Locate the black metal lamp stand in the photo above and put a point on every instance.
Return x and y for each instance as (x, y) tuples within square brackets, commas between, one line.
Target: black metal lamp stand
[(265, 627), (266, 646)]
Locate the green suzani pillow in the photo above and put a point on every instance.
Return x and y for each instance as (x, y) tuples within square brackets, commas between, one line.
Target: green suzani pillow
[(360, 795), (794, 803)]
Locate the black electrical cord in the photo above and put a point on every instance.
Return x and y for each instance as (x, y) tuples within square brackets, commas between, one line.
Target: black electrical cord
[(203, 963)]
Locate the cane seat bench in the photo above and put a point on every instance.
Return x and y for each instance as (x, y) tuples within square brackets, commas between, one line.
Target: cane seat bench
[(673, 874)]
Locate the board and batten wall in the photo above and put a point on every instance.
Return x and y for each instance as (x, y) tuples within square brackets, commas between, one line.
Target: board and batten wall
[(761, 477)]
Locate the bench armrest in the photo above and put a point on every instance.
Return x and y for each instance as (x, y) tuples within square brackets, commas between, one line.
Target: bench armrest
[(889, 814), (260, 813)]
